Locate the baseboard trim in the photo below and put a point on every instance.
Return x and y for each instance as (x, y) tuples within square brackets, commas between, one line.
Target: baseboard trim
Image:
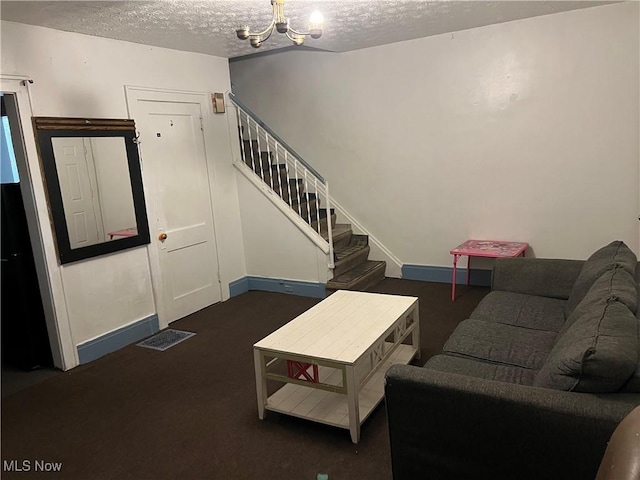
[(279, 285), (425, 273), (117, 339), (238, 287)]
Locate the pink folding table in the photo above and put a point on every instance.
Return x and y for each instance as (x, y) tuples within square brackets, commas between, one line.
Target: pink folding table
[(125, 232), (483, 248)]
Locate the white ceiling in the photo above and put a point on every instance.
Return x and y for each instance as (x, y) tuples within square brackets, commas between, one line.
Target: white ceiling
[(208, 26)]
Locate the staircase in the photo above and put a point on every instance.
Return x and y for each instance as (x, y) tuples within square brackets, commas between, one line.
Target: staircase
[(352, 268), (291, 190)]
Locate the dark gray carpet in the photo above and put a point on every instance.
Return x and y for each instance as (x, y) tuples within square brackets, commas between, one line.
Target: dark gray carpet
[(190, 412)]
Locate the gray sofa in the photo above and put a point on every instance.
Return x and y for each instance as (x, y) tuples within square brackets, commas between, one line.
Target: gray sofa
[(533, 384)]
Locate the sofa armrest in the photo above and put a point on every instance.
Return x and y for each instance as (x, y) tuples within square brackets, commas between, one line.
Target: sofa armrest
[(449, 426), (536, 276)]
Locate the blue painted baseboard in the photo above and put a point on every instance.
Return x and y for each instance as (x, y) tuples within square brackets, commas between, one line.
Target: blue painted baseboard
[(117, 339), (238, 287), (293, 287), (424, 273)]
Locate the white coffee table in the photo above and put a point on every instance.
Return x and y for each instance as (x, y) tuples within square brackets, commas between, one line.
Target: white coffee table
[(336, 355)]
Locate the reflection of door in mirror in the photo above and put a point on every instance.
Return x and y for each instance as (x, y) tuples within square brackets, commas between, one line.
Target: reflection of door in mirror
[(97, 202), (77, 175)]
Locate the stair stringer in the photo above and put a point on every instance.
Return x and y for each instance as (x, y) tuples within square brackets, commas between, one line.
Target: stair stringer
[(378, 250), (275, 245)]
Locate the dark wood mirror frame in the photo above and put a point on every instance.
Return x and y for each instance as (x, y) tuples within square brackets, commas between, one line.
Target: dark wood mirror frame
[(47, 128)]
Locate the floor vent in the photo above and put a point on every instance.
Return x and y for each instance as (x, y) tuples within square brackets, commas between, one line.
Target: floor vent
[(165, 339)]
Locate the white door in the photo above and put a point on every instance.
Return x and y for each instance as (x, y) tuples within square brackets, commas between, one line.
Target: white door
[(177, 188), (80, 197)]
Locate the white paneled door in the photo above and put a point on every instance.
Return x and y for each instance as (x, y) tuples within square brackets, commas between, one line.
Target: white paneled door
[(177, 187)]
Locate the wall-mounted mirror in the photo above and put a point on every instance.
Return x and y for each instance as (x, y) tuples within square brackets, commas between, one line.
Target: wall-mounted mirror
[(94, 185)]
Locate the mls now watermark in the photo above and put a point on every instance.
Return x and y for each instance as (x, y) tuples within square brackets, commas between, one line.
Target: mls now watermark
[(30, 466)]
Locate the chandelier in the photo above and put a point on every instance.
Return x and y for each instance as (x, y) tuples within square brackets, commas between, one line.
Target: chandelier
[(281, 24)]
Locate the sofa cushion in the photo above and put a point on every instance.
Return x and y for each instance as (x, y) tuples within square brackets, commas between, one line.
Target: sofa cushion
[(481, 369), (500, 343), (597, 353), (599, 262), (518, 309), (615, 283)]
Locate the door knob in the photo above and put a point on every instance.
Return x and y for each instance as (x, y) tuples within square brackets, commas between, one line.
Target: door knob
[(162, 237)]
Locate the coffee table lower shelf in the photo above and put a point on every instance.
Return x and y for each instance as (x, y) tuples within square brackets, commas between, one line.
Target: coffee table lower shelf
[(332, 408)]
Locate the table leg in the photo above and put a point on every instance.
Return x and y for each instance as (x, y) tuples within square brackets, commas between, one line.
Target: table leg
[(261, 383), (468, 268), (352, 400), (415, 335), (453, 282)]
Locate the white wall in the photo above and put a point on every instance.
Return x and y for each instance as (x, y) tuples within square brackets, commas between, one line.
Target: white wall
[(275, 247), (81, 76), (526, 131)]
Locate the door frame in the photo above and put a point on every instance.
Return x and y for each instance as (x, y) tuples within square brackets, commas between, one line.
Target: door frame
[(64, 353), (134, 94)]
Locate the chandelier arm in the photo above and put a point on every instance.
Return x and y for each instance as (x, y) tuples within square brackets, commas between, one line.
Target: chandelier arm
[(297, 39), (267, 37), (299, 33), (268, 29), (293, 38)]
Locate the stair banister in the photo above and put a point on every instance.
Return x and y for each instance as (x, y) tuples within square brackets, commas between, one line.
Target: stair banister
[(290, 150), (299, 165), (329, 227)]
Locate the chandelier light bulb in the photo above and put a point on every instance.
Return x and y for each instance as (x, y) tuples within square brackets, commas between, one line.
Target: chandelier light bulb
[(316, 18), (315, 24)]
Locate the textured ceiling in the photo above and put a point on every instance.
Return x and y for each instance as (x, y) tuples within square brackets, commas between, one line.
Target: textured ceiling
[(208, 26)]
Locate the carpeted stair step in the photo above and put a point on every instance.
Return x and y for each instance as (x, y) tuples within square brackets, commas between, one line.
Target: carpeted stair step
[(341, 234), (249, 146), (360, 277), (308, 209), (306, 197), (351, 255), (355, 242), (258, 161), (323, 221), (274, 176), (294, 190)]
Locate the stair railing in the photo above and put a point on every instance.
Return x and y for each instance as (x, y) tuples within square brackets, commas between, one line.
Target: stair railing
[(298, 184)]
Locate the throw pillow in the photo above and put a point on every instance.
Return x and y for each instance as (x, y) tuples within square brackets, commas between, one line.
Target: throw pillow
[(600, 261), (598, 352)]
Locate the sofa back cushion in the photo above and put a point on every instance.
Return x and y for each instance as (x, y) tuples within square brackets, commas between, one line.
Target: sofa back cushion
[(597, 353), (616, 283), (605, 258)]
